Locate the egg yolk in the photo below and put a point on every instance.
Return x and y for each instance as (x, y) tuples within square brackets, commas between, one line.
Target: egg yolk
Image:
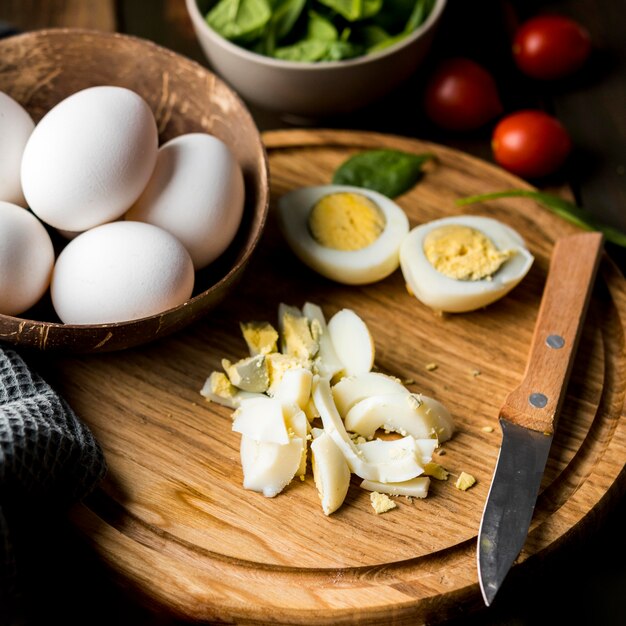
[(463, 253), (346, 221)]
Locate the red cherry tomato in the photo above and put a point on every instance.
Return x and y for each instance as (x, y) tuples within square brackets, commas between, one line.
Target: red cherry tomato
[(530, 143), (549, 47), (461, 95)]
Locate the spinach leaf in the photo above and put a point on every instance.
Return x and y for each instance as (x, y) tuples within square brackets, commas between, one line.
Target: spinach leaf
[(285, 14), (371, 8), (390, 172), (394, 15), (240, 20), (559, 206), (390, 41), (320, 28), (418, 16), (349, 9), (306, 50), (370, 35), (338, 50)]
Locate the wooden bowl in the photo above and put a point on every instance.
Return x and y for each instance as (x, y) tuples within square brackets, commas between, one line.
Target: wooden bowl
[(41, 68)]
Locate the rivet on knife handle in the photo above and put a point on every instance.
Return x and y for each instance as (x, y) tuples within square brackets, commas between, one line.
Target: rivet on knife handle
[(535, 403)]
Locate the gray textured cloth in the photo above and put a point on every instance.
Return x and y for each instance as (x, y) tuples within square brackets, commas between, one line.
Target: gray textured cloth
[(48, 460)]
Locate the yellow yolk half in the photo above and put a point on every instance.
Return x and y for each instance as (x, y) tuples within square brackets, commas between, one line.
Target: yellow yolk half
[(346, 221), (463, 253)]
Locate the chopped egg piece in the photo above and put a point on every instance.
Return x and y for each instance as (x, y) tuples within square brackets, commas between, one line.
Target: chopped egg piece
[(464, 481), (414, 488), (436, 471), (269, 467), (352, 341), (347, 234), (294, 387), (298, 426), (279, 363), (250, 374), (404, 413), (261, 419), (393, 461), (330, 472), (333, 425), (352, 389), (295, 333), (381, 502), (218, 388), (260, 337), (327, 362), (462, 263)]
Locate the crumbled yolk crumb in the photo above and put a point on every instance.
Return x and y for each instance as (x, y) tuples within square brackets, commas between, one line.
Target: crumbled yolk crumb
[(463, 253), (436, 471), (381, 502), (431, 367), (464, 481), (346, 221)]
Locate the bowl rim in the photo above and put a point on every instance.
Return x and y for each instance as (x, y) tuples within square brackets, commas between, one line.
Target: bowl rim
[(313, 66), (260, 217)]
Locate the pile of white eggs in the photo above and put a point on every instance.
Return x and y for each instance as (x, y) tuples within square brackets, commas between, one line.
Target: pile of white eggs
[(139, 219)]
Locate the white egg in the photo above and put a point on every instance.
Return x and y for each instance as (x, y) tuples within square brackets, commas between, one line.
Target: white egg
[(16, 127), (196, 192), (26, 259), (364, 255), (444, 293), (120, 271), (89, 158)]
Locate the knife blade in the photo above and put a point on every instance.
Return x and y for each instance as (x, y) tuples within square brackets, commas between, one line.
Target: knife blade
[(529, 415)]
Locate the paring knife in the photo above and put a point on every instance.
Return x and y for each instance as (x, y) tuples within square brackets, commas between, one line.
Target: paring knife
[(529, 415)]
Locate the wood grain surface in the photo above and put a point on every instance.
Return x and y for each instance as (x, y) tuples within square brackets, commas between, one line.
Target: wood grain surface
[(172, 520)]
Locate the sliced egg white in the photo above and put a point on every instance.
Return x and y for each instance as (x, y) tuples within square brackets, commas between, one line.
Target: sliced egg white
[(394, 461), (442, 293), (414, 488), (294, 387), (405, 413), (365, 265), (269, 467), (352, 389), (330, 472), (327, 362), (298, 426), (261, 419), (352, 341)]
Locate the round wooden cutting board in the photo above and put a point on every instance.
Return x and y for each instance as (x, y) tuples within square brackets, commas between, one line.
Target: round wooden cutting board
[(172, 519)]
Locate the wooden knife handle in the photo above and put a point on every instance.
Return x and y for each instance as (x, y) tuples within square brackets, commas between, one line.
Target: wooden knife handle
[(536, 402)]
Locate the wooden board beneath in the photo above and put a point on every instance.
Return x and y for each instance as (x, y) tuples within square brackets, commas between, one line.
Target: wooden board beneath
[(172, 519)]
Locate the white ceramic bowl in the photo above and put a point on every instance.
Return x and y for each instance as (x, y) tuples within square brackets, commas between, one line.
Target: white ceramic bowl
[(314, 90)]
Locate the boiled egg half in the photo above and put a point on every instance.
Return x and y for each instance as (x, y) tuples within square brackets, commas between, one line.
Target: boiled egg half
[(462, 263), (351, 235)]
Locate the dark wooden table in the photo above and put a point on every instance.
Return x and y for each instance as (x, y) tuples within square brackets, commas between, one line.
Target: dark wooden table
[(582, 584)]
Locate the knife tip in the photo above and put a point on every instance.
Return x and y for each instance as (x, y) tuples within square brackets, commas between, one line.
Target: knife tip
[(489, 592)]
